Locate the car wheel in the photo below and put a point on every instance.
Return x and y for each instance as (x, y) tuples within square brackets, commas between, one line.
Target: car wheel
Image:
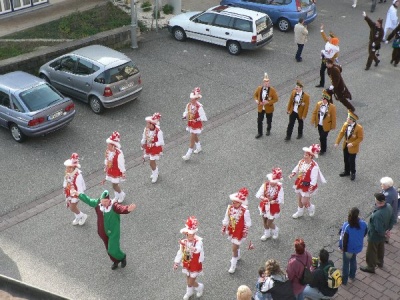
[(96, 105), (179, 34), (233, 48), (283, 25), (16, 133), (45, 78)]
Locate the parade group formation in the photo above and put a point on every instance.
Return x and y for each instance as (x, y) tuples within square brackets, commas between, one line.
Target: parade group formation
[(273, 282)]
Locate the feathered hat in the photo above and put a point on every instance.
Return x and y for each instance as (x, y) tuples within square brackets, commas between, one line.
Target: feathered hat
[(190, 225), (314, 149), (73, 161), (195, 94), (240, 196), (154, 119), (114, 139), (275, 176)]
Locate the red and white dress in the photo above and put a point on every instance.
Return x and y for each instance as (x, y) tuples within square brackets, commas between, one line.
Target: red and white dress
[(73, 182), (191, 256), (195, 115), (152, 141), (307, 178), (267, 193), (237, 222), (114, 165)]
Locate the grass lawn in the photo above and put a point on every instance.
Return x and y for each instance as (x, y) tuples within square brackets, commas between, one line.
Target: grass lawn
[(75, 26)]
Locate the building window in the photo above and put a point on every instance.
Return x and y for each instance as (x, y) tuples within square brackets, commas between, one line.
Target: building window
[(5, 5)]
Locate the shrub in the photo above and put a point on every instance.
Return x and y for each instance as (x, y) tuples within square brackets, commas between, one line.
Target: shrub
[(168, 9), (146, 6)]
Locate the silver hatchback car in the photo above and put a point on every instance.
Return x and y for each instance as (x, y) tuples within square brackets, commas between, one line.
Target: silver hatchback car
[(97, 75), (29, 106)]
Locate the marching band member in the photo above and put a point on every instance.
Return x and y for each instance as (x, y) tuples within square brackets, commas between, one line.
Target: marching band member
[(236, 224), (191, 256), (152, 142), (271, 196)]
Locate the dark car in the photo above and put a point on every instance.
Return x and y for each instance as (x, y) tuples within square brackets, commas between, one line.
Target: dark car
[(283, 13), (29, 106)]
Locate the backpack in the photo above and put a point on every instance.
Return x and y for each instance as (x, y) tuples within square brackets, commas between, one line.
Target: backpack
[(282, 290), (334, 276), (306, 276), (396, 43)]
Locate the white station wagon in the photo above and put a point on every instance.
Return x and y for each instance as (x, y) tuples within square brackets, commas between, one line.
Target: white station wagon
[(232, 27)]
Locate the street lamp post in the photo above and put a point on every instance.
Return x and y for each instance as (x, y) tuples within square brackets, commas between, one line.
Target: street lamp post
[(134, 25)]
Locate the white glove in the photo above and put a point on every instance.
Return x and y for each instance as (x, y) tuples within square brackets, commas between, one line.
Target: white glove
[(386, 42), (364, 14), (331, 87), (373, 44)]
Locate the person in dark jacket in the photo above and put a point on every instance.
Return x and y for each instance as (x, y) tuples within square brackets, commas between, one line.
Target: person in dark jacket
[(379, 226), (319, 289), (340, 89), (351, 243), (396, 45), (391, 197), (375, 38)]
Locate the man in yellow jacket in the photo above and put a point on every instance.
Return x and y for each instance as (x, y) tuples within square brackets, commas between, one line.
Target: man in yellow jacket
[(324, 118), (265, 97), (297, 109), (353, 134)]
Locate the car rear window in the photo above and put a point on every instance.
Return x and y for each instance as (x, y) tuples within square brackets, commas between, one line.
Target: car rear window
[(118, 73), (39, 97), (262, 24)]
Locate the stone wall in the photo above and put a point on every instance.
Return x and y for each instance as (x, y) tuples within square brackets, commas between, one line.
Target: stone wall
[(31, 62)]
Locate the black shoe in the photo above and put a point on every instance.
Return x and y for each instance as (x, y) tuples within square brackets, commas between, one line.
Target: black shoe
[(381, 265), (268, 133), (352, 176), (322, 152), (367, 269), (366, 68), (287, 138), (123, 262), (319, 85), (299, 60), (377, 63), (344, 174), (114, 265), (299, 136), (391, 61), (258, 135)]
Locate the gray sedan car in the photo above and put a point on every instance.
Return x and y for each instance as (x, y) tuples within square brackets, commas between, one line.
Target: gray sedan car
[(96, 74), (29, 106)]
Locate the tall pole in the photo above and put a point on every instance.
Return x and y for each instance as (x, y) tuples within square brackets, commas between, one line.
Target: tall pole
[(156, 15), (134, 25)]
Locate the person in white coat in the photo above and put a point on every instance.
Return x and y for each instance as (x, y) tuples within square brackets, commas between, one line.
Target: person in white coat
[(391, 19)]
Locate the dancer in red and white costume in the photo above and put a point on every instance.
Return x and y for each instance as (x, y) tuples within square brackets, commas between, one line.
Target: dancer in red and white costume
[(152, 142), (236, 224), (306, 184), (191, 256), (271, 196), (115, 165), (195, 115), (74, 182)]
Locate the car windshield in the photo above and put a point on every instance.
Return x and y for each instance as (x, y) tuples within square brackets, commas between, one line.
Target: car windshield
[(39, 97), (118, 73)]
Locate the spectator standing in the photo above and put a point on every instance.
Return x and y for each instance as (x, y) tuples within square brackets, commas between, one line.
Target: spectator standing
[(351, 243), (391, 197), (324, 118), (375, 38), (330, 51), (396, 45), (379, 226), (353, 134), (191, 256), (195, 116), (306, 183), (297, 262), (300, 38), (318, 288), (391, 19), (340, 89), (265, 97), (271, 196), (236, 224), (152, 142), (297, 109)]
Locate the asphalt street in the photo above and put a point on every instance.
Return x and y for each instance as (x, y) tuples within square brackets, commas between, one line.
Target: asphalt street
[(47, 251)]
